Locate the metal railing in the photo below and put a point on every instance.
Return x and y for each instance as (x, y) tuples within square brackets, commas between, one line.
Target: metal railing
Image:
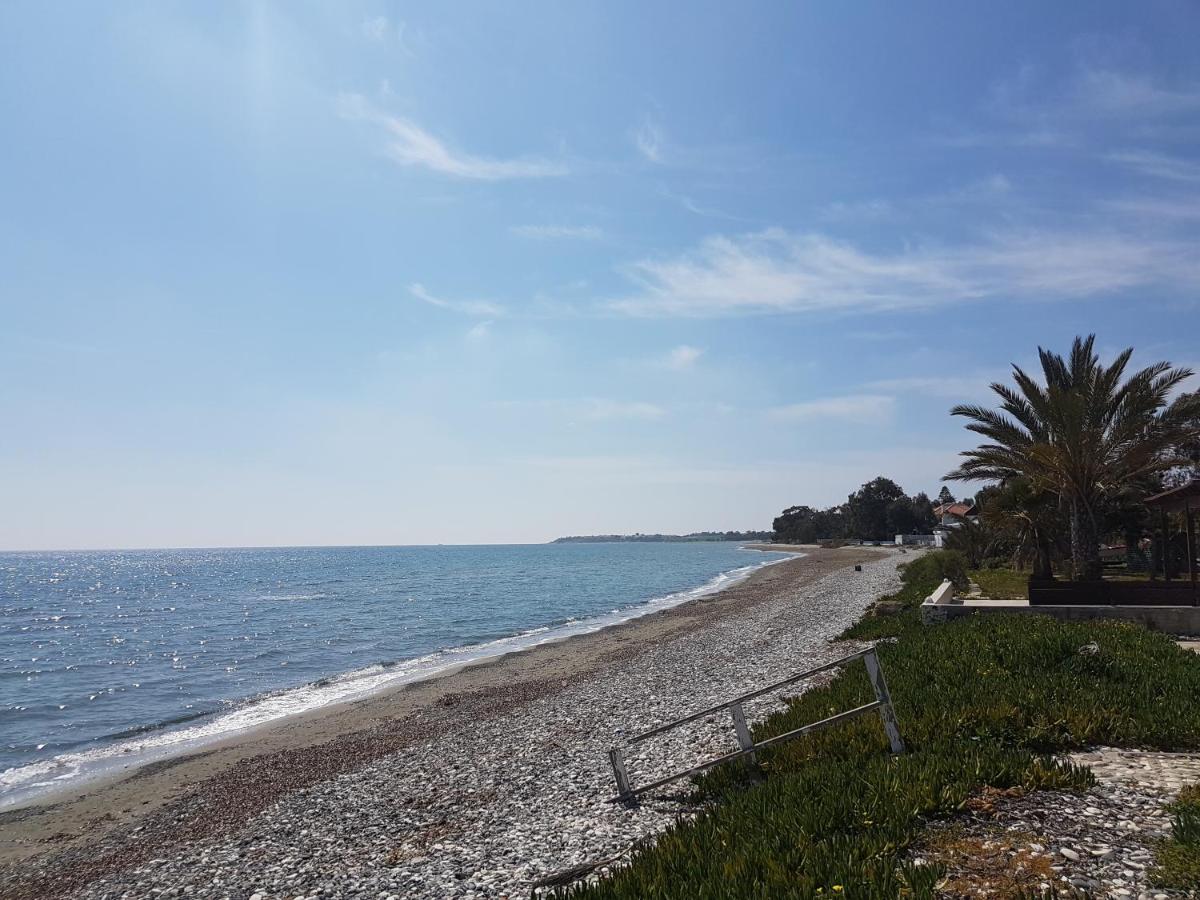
[(746, 745)]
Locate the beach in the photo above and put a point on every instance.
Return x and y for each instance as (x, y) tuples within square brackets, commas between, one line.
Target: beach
[(475, 784)]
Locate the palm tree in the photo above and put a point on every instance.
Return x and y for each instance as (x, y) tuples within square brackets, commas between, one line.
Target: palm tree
[(1028, 517), (1082, 435)]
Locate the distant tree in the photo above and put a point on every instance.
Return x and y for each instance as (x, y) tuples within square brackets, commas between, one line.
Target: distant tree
[(910, 515), (923, 509), (797, 525), (944, 496), (867, 509)]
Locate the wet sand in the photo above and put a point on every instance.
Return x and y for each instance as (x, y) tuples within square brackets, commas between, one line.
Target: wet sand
[(56, 847)]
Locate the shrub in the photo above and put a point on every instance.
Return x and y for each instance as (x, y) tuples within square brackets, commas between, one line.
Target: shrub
[(932, 568)]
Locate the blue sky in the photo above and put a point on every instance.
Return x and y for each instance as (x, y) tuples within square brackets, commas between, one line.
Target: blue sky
[(317, 273)]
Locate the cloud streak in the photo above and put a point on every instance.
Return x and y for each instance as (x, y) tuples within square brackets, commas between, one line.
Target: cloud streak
[(683, 357), (860, 409), (558, 232), (776, 271), (648, 138), (410, 145), (484, 308), (1158, 165)]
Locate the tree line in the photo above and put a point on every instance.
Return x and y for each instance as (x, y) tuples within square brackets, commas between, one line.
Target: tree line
[(877, 511)]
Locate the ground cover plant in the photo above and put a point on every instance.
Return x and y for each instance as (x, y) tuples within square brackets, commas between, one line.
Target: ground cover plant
[(1177, 862), (982, 702), (1002, 583)]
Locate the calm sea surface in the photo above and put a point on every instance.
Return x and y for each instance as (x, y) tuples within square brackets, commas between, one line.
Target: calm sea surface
[(108, 657)]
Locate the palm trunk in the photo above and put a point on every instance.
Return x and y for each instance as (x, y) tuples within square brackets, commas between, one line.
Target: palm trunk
[(1085, 544), (1041, 558)]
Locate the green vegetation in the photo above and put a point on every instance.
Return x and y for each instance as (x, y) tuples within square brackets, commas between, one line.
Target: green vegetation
[(877, 511), (1002, 584), (930, 569), (1177, 862), (1083, 438), (981, 701)]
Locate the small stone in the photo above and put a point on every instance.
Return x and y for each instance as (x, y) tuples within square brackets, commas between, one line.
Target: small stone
[(1069, 854)]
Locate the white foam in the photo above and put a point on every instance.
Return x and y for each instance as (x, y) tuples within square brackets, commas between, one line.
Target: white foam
[(20, 784)]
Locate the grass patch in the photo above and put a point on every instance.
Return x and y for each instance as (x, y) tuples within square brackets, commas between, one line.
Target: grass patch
[(982, 702), (1002, 584), (1177, 860)]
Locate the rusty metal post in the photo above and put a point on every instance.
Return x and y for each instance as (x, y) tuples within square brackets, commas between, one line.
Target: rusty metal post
[(886, 714)]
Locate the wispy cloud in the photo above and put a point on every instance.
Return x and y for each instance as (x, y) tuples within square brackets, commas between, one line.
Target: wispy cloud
[(480, 332), (682, 357), (778, 271), (1158, 165), (470, 307), (376, 28), (863, 409), (556, 232), (648, 138), (1111, 92), (1185, 207), (408, 144)]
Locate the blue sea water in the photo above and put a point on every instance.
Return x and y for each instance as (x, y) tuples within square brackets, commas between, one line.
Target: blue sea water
[(118, 656)]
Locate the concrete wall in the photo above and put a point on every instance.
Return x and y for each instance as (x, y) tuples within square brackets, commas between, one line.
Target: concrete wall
[(1182, 620)]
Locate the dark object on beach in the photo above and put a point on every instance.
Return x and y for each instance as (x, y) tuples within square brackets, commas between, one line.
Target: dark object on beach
[(858, 568)]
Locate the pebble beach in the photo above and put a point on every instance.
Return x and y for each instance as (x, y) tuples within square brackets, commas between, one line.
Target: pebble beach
[(480, 785)]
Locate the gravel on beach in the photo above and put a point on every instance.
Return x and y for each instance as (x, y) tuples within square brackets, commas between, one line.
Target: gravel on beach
[(489, 810)]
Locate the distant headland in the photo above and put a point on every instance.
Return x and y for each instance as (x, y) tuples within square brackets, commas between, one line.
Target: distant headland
[(695, 536)]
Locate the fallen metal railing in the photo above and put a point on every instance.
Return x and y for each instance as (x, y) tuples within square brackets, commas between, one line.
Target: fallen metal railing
[(747, 747)]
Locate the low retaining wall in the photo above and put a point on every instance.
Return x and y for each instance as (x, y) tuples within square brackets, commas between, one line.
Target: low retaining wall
[(1181, 620)]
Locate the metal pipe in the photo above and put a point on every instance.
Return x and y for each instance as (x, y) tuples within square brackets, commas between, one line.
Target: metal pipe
[(744, 697), (736, 754)]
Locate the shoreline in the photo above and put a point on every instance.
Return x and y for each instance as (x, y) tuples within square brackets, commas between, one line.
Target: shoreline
[(159, 747), (92, 833)]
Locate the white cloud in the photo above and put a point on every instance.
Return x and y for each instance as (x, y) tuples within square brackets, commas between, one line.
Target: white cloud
[(552, 232), (480, 332), (469, 307), (1159, 165), (1110, 92), (776, 271), (682, 357), (375, 29), (411, 145), (648, 138), (864, 409)]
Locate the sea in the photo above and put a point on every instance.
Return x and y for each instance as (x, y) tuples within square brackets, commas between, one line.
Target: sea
[(115, 658)]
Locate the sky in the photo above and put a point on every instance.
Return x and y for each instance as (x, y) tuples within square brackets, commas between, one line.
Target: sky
[(305, 273)]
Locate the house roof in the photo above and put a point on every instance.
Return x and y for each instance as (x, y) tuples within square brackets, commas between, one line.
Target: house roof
[(1184, 497), (961, 510)]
